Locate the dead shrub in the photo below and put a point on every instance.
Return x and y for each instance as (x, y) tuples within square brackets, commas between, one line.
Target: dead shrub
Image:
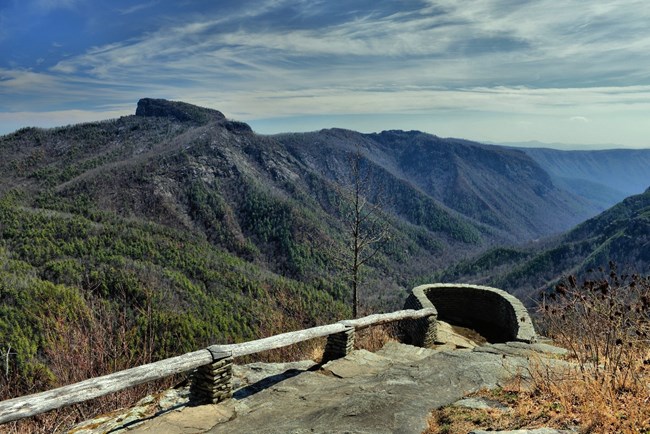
[(605, 323), (96, 344), (375, 337)]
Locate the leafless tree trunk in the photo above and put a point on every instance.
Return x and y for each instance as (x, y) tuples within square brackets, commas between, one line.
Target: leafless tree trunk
[(367, 228)]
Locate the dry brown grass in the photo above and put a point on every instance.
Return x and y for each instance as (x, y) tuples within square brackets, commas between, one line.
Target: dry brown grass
[(605, 324), (374, 338), (563, 403), (459, 420), (589, 401), (370, 338), (90, 346), (308, 350)]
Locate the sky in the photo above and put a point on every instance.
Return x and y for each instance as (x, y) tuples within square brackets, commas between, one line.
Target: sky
[(569, 71)]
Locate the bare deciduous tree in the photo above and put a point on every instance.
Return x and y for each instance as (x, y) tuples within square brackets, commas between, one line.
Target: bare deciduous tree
[(366, 228)]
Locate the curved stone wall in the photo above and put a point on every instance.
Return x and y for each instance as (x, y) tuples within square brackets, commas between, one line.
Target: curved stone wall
[(495, 314), (422, 332)]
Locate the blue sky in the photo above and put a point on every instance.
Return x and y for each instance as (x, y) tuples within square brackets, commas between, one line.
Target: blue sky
[(566, 71)]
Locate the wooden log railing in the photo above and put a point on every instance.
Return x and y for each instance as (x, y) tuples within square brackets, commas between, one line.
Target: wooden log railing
[(215, 355)]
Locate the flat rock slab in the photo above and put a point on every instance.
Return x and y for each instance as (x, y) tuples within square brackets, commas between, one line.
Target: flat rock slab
[(390, 391), (447, 336), (403, 353), (396, 398), (192, 420), (253, 377), (539, 347), (359, 363), (481, 404)]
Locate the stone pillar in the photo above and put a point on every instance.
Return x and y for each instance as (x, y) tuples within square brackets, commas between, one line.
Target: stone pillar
[(428, 331), (211, 383), (339, 345), (421, 332)]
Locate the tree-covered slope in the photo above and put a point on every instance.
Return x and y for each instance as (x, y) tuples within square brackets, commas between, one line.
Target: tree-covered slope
[(621, 234), (500, 189), (168, 288), (176, 228)]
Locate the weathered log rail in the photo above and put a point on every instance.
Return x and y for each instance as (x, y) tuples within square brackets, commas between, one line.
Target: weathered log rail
[(214, 361)]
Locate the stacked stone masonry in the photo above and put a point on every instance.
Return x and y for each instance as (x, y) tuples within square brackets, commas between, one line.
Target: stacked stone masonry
[(497, 315), (212, 383), (494, 313), (339, 345), (421, 332)]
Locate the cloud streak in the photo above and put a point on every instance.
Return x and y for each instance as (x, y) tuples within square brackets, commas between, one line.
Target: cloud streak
[(541, 58), (506, 47), (138, 7)]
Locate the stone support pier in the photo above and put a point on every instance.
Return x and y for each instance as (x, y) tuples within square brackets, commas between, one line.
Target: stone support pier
[(422, 332), (211, 383), (339, 345)]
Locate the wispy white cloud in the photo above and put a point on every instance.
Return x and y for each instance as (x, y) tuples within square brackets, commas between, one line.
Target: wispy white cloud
[(18, 81), (539, 58), (507, 101), (24, 90), (138, 7), (482, 41)]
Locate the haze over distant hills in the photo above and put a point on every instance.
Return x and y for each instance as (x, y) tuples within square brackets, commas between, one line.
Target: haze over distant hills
[(620, 234), (604, 176), (503, 190), (558, 146)]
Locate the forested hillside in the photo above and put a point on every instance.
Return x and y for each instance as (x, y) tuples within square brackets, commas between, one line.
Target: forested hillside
[(499, 188), (621, 235), (158, 233)]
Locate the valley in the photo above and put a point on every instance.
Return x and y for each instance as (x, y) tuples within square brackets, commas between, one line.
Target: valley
[(175, 228)]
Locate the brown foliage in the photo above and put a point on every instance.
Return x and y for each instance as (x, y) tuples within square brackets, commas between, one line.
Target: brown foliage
[(374, 338), (604, 322), (88, 347)]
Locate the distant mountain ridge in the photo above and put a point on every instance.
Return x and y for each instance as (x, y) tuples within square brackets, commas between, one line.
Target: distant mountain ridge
[(620, 234), (275, 201), (182, 224), (499, 188), (604, 177)]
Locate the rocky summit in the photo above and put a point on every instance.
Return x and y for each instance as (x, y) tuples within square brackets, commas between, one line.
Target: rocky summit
[(180, 111)]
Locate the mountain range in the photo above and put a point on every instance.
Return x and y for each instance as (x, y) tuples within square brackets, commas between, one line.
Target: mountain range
[(620, 235), (190, 227), (605, 177)]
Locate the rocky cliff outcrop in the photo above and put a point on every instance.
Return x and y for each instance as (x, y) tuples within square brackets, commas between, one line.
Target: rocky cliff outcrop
[(149, 107)]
